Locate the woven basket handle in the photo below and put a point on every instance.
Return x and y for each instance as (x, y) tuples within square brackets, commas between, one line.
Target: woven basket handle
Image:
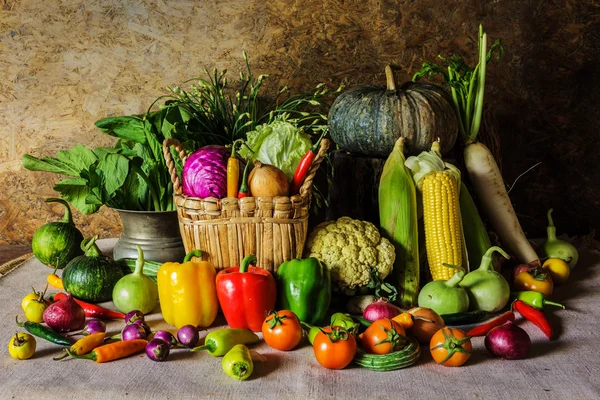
[(306, 187), (167, 143)]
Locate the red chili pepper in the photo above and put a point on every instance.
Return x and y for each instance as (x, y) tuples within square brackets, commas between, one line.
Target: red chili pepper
[(304, 167), (92, 310), (533, 315), (483, 329), (246, 294), (244, 191)]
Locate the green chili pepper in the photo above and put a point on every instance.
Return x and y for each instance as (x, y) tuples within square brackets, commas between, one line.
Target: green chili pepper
[(44, 333), (219, 342), (345, 321), (304, 287), (237, 363), (534, 299)]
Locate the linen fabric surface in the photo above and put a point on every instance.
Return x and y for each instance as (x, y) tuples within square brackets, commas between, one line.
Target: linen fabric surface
[(565, 368)]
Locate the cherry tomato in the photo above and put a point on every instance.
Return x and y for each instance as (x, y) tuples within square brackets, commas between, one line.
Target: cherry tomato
[(282, 330), (450, 347), (334, 349), (536, 279), (383, 336), (558, 269), (35, 311), (21, 346)]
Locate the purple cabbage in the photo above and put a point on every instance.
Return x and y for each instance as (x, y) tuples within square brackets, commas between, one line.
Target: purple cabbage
[(205, 172)]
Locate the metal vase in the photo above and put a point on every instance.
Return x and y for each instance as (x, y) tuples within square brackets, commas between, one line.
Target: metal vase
[(156, 232)]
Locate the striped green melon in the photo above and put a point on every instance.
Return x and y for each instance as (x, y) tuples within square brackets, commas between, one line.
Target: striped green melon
[(369, 119), (92, 276), (56, 243)]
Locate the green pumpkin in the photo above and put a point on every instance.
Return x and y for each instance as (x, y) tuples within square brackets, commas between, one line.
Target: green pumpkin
[(92, 276), (369, 119), (56, 243)]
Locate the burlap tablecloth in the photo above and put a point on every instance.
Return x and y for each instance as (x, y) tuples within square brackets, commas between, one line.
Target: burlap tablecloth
[(565, 368)]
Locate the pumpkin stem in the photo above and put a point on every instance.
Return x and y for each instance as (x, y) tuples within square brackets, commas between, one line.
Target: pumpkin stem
[(390, 80)]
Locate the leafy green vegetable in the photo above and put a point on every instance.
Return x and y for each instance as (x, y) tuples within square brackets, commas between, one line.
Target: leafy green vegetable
[(466, 83), (133, 174), (279, 143)]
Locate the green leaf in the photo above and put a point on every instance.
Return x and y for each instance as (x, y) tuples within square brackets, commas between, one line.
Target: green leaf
[(67, 162), (114, 168), (75, 191), (125, 127)]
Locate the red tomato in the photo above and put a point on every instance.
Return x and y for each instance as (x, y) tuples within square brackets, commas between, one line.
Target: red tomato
[(282, 330), (336, 349), (383, 336), (450, 347)]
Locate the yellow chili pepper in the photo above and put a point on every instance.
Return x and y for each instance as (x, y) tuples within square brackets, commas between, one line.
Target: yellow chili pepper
[(85, 344), (54, 280), (187, 292), (535, 279), (405, 319)]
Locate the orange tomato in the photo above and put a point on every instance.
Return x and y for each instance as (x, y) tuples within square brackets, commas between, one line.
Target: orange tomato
[(450, 347), (282, 330), (383, 336), (335, 349)]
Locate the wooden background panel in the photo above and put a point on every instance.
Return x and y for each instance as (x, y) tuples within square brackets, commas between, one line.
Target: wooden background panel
[(67, 63)]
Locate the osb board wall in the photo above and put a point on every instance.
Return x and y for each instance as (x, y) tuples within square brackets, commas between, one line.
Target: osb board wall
[(65, 64)]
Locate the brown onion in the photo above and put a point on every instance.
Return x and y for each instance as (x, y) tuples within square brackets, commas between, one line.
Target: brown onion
[(65, 315), (266, 180), (423, 330)]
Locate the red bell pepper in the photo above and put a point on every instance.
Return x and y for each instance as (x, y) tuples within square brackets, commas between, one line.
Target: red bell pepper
[(246, 294)]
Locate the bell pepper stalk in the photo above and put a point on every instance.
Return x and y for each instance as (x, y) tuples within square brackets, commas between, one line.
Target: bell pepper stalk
[(187, 292), (304, 166), (246, 294), (304, 287), (534, 299)]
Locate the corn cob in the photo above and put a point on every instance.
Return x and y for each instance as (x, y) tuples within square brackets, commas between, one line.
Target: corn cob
[(477, 239), (439, 183), (398, 220)]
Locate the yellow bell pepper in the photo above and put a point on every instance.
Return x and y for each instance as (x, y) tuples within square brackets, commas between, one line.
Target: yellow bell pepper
[(187, 292)]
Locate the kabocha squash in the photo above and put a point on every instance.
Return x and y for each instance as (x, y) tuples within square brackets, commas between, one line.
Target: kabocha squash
[(369, 119), (92, 276)]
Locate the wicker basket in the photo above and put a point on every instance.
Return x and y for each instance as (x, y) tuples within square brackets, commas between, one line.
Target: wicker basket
[(228, 229)]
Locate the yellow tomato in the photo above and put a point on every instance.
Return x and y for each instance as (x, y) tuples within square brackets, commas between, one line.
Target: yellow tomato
[(21, 346), (558, 269), (35, 311), (29, 298)]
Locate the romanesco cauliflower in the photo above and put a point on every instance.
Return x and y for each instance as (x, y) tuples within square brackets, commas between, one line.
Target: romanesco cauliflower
[(350, 248)]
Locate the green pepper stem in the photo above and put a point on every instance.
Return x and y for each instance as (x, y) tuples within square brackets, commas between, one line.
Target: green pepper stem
[(247, 261), (61, 357), (486, 260), (90, 248), (89, 356), (22, 325), (67, 217), (139, 263), (208, 345), (193, 253), (552, 303), (551, 229)]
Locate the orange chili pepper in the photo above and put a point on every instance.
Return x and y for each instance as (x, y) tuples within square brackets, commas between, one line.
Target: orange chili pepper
[(113, 351), (405, 319)]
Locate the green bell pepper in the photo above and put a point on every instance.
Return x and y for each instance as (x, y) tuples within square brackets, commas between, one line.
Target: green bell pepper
[(305, 289), (345, 321)]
